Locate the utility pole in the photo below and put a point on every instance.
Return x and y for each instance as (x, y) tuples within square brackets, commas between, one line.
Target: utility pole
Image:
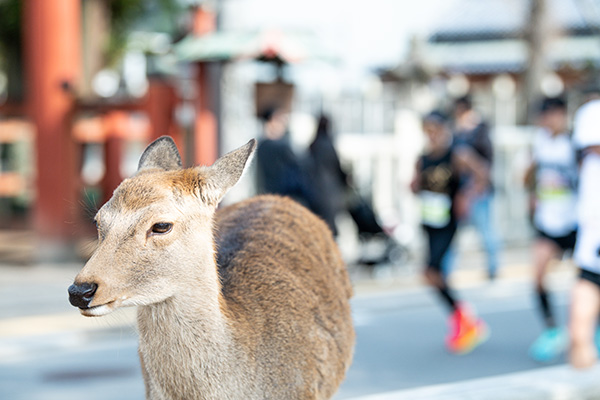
[(537, 37)]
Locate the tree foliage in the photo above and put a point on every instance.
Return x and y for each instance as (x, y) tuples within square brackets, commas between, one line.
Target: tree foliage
[(148, 15), (125, 16), (10, 23)]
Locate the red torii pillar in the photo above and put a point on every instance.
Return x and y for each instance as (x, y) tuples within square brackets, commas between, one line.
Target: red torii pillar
[(115, 130), (160, 104), (206, 145), (52, 32)]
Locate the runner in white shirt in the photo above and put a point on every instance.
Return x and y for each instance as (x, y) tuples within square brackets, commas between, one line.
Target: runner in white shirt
[(553, 181), (585, 303)]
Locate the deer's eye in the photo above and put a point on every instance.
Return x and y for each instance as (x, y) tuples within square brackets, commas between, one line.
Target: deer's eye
[(101, 232), (161, 228)]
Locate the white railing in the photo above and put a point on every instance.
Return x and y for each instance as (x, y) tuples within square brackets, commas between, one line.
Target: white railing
[(383, 164)]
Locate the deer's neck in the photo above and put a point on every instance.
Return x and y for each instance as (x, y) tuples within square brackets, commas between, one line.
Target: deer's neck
[(186, 344)]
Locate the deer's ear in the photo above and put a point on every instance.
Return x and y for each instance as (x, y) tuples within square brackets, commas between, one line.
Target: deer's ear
[(161, 154), (226, 172)]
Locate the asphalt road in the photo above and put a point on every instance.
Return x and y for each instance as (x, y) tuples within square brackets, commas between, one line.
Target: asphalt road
[(400, 339), (399, 346)]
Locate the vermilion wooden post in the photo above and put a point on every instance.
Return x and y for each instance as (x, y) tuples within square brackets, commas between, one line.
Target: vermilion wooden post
[(52, 41), (115, 128), (205, 127), (206, 145), (203, 21), (160, 108)]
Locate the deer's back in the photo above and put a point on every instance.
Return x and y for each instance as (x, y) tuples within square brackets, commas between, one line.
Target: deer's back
[(286, 289)]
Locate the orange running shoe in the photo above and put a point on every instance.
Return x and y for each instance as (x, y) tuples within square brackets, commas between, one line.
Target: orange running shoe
[(466, 331)]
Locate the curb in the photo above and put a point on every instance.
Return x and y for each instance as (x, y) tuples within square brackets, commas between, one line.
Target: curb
[(557, 383)]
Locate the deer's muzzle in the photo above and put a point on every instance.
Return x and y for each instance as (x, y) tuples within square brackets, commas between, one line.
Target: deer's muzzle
[(81, 295)]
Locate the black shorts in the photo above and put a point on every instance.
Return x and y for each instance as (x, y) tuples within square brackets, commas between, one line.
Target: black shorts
[(590, 276), (566, 242), (439, 240)]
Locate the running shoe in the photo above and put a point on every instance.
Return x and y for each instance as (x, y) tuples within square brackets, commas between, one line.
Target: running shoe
[(466, 332), (552, 343)]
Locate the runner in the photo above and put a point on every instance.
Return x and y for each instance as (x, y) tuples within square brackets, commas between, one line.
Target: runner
[(437, 182), (552, 179), (585, 302)]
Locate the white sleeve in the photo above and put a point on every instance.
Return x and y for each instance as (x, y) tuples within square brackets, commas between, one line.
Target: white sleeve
[(537, 145), (587, 125)]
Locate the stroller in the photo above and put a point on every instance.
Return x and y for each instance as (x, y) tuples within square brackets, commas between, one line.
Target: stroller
[(378, 245)]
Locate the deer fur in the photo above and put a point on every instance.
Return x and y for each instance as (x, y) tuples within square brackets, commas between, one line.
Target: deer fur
[(248, 302)]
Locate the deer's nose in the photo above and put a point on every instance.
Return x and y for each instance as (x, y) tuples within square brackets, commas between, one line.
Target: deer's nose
[(81, 295)]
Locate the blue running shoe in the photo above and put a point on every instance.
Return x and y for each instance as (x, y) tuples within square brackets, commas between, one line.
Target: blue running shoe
[(549, 345)]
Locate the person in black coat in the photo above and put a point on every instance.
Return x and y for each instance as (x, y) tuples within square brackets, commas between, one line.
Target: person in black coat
[(327, 177), (278, 169)]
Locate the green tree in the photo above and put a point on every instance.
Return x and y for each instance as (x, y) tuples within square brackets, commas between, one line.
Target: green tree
[(148, 15), (11, 55)]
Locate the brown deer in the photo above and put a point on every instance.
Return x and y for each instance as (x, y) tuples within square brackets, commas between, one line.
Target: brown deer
[(248, 302)]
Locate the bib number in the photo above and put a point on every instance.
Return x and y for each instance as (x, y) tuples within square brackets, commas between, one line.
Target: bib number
[(436, 209)]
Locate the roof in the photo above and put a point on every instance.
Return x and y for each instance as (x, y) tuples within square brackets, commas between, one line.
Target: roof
[(510, 55), (483, 37), (497, 19), (288, 46)]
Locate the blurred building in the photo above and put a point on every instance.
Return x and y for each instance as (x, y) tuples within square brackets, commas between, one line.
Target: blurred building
[(485, 48), (84, 85), (74, 117)]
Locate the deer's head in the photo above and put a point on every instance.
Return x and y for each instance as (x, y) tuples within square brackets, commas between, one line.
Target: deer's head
[(155, 224)]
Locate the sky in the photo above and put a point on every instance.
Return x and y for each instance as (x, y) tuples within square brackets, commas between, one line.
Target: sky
[(364, 34)]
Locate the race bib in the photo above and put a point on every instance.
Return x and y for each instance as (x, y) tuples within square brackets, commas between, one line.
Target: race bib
[(553, 186), (556, 203), (436, 209)]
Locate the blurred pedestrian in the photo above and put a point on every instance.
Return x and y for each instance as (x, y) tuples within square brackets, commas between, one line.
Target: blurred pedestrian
[(472, 131), (585, 302), (278, 169), (329, 180), (552, 180), (437, 181)]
